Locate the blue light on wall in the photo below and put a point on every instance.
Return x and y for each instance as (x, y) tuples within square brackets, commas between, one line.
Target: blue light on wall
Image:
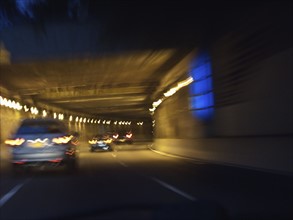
[(202, 97)]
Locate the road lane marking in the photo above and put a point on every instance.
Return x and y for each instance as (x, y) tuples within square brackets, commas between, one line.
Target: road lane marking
[(194, 161), (119, 161), (11, 193), (122, 163), (174, 189)]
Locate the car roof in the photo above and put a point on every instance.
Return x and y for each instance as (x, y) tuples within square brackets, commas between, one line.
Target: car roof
[(41, 119)]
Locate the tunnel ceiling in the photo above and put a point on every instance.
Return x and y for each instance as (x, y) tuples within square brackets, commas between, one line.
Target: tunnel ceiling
[(113, 85), (97, 58)]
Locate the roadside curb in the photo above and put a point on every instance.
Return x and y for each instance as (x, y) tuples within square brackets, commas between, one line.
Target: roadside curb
[(221, 163)]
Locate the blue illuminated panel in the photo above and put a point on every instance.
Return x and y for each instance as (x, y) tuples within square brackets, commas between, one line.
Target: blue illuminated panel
[(204, 114), (201, 72), (202, 98), (203, 86)]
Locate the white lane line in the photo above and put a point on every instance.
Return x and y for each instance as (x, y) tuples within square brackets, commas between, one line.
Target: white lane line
[(11, 193), (195, 161), (174, 189), (119, 161), (122, 163)]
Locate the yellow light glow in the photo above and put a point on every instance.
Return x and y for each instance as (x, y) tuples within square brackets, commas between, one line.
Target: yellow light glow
[(13, 105), (44, 113), (18, 106), (16, 142), (171, 92), (62, 140), (108, 141), (93, 141), (157, 103), (34, 110), (26, 109), (185, 82), (5, 102)]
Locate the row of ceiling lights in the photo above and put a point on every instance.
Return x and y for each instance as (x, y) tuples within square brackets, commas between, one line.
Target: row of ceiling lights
[(171, 92), (79, 119)]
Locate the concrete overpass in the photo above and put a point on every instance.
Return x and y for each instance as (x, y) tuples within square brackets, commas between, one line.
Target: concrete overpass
[(108, 64)]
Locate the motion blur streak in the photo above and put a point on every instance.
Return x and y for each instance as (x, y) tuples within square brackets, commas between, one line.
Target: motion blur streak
[(208, 82)]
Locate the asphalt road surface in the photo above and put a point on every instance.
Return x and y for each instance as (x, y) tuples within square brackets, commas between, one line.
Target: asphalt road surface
[(133, 182)]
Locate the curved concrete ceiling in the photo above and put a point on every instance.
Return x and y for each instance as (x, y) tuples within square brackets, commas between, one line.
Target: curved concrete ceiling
[(119, 85)]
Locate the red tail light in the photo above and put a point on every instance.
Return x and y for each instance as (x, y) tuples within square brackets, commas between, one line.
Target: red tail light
[(57, 160), (128, 135), (19, 162), (15, 142), (115, 136)]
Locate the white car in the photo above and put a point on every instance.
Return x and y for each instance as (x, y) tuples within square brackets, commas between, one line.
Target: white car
[(43, 142)]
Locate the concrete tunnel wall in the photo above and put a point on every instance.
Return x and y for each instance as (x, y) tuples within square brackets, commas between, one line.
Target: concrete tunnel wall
[(252, 125), (256, 133)]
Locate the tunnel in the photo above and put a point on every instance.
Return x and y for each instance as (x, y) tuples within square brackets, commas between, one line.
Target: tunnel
[(203, 82)]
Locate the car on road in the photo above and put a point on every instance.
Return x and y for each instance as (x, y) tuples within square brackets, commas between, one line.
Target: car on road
[(101, 143), (123, 137), (43, 142)]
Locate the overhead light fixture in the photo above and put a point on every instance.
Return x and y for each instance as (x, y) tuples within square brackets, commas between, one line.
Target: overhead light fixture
[(171, 92), (45, 113)]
